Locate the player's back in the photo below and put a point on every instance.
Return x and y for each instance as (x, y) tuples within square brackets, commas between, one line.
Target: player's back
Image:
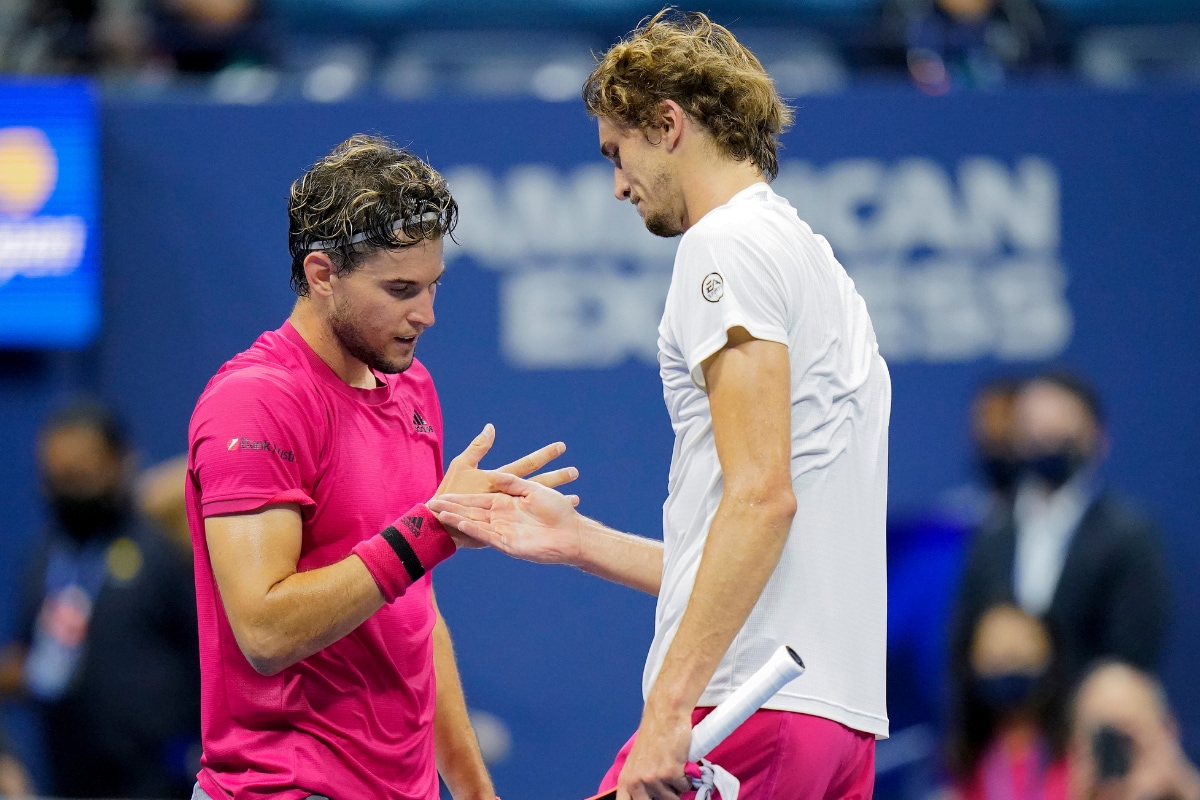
[(753, 263)]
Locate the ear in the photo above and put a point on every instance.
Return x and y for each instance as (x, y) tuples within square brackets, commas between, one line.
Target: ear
[(319, 270), (673, 120)]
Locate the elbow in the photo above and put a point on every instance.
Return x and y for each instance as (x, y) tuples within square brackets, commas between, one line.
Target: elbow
[(773, 501), (267, 653), (265, 665)]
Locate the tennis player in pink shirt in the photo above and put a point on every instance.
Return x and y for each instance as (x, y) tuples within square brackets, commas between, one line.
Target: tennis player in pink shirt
[(327, 670)]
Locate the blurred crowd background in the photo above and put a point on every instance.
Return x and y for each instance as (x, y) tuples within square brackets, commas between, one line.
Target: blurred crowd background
[(328, 50), (1011, 183)]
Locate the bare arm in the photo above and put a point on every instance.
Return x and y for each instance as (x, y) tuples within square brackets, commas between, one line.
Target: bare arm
[(538, 524), (280, 616), (633, 561), (458, 758), (749, 394)]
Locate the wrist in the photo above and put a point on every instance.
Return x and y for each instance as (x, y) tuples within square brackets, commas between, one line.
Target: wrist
[(669, 703), (403, 552), (584, 535)]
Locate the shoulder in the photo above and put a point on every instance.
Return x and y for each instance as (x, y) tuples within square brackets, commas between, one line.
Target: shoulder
[(1120, 518), (250, 382), (735, 225)]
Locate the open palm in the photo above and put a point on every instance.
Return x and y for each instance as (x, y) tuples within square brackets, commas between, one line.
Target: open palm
[(523, 519)]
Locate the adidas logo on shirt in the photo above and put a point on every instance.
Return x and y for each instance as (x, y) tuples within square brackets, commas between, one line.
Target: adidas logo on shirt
[(419, 423)]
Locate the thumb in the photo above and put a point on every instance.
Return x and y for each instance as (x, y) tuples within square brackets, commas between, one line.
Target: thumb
[(479, 446)]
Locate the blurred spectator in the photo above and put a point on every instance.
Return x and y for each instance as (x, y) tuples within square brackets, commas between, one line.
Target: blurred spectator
[(160, 496), (129, 36), (107, 645), (993, 441), (206, 36), (1069, 550), (1008, 739), (74, 36), (973, 43), (993, 433), (14, 780), (1125, 742), (925, 556)]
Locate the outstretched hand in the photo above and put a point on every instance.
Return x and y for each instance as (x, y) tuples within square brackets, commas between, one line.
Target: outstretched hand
[(523, 518), (464, 477)]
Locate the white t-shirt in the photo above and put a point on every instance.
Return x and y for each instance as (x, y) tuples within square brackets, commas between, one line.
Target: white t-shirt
[(752, 263)]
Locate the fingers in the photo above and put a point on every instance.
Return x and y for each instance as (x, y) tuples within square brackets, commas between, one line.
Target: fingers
[(535, 460), (484, 534), (455, 502), (653, 790), (573, 499), (460, 511), (478, 447), (556, 477), (510, 484)]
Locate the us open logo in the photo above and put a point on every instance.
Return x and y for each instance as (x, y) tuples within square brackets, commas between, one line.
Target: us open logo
[(712, 287)]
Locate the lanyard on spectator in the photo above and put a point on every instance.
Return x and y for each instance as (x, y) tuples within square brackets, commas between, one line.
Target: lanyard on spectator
[(73, 580)]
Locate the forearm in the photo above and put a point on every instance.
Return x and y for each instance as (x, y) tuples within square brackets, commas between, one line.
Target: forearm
[(306, 612), (458, 757), (741, 552), (632, 561)]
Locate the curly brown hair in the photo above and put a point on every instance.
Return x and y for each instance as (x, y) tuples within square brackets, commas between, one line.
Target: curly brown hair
[(365, 196), (699, 64)]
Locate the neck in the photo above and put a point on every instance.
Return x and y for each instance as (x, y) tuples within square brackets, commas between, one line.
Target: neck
[(314, 329), (712, 183)]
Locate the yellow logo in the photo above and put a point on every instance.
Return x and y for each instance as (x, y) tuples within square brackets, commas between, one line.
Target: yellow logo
[(28, 171)]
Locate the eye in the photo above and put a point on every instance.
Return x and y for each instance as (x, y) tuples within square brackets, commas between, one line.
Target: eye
[(405, 290)]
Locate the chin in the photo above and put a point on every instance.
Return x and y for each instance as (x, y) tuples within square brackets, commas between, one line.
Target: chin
[(393, 366), (663, 225)]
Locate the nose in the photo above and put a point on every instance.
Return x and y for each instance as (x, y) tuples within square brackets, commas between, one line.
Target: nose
[(421, 313), (621, 187)]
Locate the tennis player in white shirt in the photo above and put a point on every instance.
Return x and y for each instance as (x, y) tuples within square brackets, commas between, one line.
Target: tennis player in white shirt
[(773, 530)]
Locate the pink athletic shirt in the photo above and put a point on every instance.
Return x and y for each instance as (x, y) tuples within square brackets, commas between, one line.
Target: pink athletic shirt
[(276, 425)]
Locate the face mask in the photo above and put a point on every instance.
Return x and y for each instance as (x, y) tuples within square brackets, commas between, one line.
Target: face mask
[(85, 517), (1055, 469), (1007, 692), (999, 473)]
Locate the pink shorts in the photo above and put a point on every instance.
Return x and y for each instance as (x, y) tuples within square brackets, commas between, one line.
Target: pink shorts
[(781, 755)]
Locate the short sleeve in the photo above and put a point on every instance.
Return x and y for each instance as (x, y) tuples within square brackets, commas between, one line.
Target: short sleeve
[(725, 279), (252, 445)]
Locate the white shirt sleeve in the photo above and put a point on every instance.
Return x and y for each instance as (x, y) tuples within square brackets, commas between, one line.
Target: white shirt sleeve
[(725, 279)]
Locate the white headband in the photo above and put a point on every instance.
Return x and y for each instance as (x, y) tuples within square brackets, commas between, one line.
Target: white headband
[(329, 244)]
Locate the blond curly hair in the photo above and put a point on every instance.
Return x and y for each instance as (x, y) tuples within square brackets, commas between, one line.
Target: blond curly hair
[(699, 64), (365, 196)]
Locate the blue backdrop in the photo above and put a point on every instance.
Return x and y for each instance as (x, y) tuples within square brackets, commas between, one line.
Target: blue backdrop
[(988, 233)]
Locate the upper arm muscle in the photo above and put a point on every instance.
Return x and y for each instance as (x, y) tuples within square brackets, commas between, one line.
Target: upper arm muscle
[(250, 554), (749, 394)]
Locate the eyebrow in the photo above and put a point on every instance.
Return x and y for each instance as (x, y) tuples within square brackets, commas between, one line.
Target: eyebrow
[(410, 282)]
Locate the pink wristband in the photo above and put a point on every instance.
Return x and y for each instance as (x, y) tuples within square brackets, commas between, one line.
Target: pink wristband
[(402, 553)]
